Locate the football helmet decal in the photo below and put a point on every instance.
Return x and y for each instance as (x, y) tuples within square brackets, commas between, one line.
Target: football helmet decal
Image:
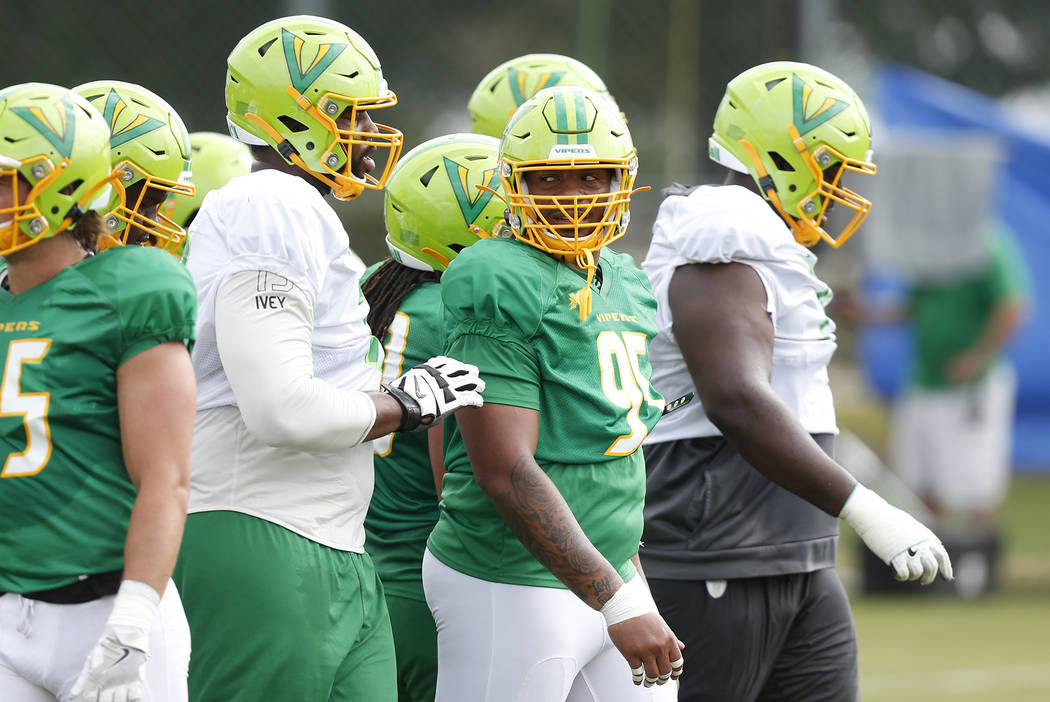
[(444, 195), (797, 130)]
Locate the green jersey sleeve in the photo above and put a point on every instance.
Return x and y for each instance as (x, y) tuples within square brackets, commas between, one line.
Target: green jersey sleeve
[(491, 307), (154, 296)]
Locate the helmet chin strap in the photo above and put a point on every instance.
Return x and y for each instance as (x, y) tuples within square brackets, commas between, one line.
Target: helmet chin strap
[(765, 183), (343, 191)]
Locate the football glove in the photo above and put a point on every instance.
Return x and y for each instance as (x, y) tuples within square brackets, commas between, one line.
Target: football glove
[(433, 390), (909, 548), (115, 669)]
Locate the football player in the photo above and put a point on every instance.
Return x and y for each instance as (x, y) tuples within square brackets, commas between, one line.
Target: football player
[(531, 572), (289, 375), (511, 83), (150, 150), (433, 211), (741, 561), (96, 420)]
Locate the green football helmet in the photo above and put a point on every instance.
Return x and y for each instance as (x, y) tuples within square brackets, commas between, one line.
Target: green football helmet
[(58, 145), (148, 145), (568, 128), (287, 84), (510, 84), (217, 159), (434, 208), (796, 129)]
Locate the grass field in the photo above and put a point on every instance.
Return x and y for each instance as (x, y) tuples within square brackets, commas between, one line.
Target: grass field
[(992, 649)]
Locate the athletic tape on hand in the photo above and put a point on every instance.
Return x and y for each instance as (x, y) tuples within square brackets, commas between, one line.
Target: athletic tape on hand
[(633, 599)]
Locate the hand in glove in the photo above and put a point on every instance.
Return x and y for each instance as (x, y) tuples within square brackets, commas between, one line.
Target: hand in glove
[(433, 390), (115, 669), (913, 551)]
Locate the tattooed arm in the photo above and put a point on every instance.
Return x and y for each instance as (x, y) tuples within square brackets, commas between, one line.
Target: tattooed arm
[(501, 441)]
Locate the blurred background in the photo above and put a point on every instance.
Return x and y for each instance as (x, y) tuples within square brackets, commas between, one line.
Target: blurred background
[(959, 93)]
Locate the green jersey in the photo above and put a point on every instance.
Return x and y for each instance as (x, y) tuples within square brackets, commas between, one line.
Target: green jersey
[(404, 505), (511, 310), (950, 317), (65, 494)]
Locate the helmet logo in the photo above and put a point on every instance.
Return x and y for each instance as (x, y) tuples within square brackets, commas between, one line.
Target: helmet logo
[(516, 79), (564, 112), (36, 119), (801, 92), (293, 56), (457, 176), (141, 124)]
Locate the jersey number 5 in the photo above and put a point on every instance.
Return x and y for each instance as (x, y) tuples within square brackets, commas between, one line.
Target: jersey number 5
[(31, 407), (625, 386)]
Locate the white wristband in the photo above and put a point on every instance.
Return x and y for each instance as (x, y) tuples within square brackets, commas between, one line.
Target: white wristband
[(633, 599), (133, 610)]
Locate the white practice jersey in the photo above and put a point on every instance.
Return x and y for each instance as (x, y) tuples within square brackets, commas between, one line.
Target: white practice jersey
[(731, 224), (278, 223)]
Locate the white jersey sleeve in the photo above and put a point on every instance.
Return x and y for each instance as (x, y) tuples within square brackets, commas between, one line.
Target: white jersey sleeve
[(730, 224)]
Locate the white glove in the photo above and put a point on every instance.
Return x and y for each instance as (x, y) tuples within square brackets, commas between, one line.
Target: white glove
[(115, 669), (433, 390), (913, 551)]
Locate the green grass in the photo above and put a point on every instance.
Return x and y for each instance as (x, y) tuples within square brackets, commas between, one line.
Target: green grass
[(993, 649), (938, 649)]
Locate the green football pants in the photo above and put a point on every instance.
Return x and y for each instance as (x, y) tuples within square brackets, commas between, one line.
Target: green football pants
[(415, 638), (274, 616)]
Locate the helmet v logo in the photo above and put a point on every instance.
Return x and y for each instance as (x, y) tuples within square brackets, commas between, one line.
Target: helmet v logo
[(516, 79), (293, 56), (63, 141), (457, 176), (142, 124), (801, 93)]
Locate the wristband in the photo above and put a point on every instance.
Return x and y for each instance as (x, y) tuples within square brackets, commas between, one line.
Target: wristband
[(633, 599), (411, 413), (134, 607)]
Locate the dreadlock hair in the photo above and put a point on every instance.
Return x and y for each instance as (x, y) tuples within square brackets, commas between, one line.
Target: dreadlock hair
[(387, 288)]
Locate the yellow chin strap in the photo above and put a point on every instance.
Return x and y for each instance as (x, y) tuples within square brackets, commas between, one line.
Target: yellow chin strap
[(343, 191), (765, 182), (585, 260)]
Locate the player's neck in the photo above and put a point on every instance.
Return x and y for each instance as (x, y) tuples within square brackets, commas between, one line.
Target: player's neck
[(744, 180), (42, 261)]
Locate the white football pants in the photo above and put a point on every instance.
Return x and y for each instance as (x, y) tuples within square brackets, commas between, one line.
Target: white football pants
[(43, 647), (499, 642)]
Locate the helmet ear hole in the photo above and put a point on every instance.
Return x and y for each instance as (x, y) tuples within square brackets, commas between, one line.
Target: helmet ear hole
[(780, 162), (294, 125)]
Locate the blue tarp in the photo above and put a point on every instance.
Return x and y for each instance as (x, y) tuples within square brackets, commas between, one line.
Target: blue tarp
[(911, 98)]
